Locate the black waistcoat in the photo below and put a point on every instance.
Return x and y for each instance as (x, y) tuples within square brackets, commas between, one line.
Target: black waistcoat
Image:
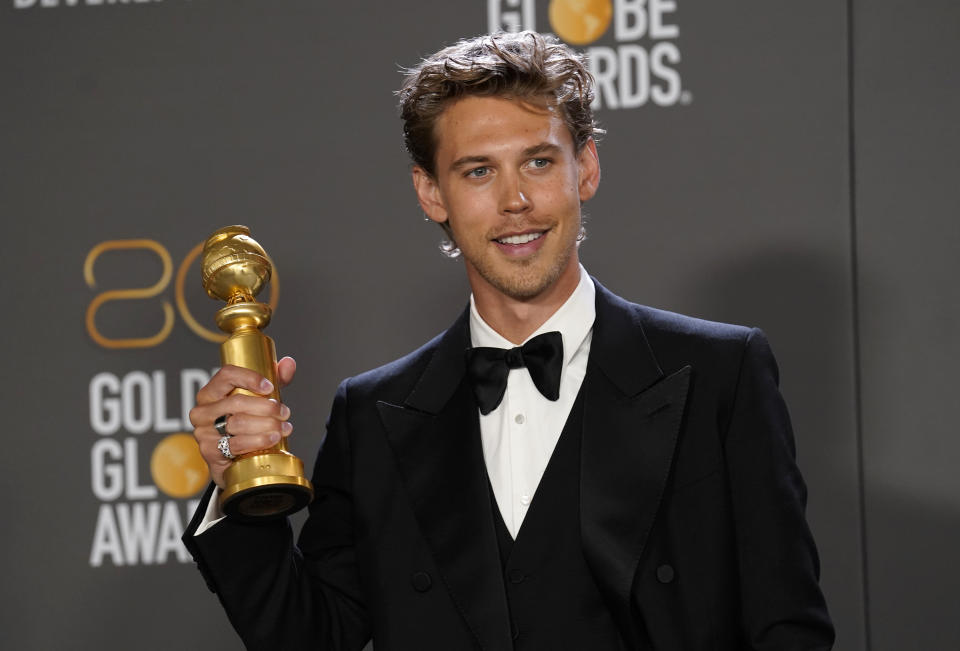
[(553, 599)]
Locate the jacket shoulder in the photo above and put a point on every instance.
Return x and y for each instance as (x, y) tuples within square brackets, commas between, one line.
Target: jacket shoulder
[(666, 324), (717, 351), (657, 322), (678, 340)]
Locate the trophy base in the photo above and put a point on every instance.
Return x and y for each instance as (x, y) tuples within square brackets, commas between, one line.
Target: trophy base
[(265, 485)]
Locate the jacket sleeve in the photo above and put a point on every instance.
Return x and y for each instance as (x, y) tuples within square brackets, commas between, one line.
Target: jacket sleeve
[(782, 605), (281, 596)]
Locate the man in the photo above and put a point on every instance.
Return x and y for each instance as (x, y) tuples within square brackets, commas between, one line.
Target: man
[(560, 469)]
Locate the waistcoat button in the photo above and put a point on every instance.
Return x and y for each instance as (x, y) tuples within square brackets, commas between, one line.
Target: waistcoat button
[(421, 581), (665, 574)]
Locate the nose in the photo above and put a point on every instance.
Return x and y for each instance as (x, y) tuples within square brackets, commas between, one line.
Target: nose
[(513, 200)]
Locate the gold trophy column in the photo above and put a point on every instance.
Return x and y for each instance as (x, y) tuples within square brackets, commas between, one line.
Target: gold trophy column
[(266, 483)]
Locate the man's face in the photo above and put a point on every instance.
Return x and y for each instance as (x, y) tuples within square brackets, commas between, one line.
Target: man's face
[(509, 184)]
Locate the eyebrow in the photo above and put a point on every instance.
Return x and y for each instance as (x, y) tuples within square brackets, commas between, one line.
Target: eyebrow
[(542, 148), (463, 161)]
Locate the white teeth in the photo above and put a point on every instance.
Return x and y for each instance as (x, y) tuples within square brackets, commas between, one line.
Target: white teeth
[(520, 239)]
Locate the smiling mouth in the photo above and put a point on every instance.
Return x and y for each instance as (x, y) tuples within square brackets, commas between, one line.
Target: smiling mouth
[(520, 239)]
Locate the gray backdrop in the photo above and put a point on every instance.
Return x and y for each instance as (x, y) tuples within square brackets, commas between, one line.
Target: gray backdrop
[(790, 166)]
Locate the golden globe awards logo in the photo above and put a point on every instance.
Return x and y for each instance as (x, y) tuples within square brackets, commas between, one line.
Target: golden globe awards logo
[(630, 45), (135, 524)]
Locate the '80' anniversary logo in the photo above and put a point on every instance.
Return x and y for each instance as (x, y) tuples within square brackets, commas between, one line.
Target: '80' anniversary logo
[(145, 468), (631, 45)]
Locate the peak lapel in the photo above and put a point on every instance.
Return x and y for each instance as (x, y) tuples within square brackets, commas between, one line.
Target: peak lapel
[(435, 437), (632, 417)]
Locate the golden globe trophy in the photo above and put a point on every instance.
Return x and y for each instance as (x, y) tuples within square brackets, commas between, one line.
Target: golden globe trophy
[(266, 483)]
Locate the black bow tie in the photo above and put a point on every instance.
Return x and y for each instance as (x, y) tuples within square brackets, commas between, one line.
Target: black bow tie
[(488, 368)]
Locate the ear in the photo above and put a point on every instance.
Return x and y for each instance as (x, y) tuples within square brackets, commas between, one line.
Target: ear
[(589, 163), (428, 193)]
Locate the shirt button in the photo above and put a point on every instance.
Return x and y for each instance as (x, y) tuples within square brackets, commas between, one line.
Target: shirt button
[(665, 574), (525, 500), (518, 419), (421, 581)]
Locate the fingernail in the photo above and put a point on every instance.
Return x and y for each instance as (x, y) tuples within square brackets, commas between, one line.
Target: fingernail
[(266, 386), (274, 438), (286, 427), (284, 411)]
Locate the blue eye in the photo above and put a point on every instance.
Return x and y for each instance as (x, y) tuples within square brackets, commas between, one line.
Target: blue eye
[(478, 172), (540, 163)]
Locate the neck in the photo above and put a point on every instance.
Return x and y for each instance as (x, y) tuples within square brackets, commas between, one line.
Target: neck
[(515, 319)]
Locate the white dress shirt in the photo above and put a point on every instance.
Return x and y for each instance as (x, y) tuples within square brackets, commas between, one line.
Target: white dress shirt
[(520, 434)]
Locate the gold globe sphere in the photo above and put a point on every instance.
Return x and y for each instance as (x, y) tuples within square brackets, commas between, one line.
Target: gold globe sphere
[(233, 265)]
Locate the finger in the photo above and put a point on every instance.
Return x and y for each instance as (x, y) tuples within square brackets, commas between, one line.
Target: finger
[(242, 444), (207, 440), (229, 378), (286, 369), (239, 403), (245, 424), (216, 462)]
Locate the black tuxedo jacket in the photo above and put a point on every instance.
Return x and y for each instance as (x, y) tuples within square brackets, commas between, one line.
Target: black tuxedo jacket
[(691, 505)]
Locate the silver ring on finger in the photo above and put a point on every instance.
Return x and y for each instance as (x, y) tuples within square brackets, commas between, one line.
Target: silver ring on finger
[(221, 425), (224, 446)]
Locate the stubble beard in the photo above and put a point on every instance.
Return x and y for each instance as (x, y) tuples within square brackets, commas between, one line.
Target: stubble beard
[(523, 280)]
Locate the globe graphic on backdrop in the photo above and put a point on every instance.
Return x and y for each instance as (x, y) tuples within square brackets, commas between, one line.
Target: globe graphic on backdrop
[(579, 22)]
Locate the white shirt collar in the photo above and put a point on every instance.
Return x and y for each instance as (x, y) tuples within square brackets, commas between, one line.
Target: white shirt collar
[(573, 320)]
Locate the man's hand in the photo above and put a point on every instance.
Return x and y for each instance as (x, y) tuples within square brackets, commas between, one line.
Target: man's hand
[(254, 422)]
